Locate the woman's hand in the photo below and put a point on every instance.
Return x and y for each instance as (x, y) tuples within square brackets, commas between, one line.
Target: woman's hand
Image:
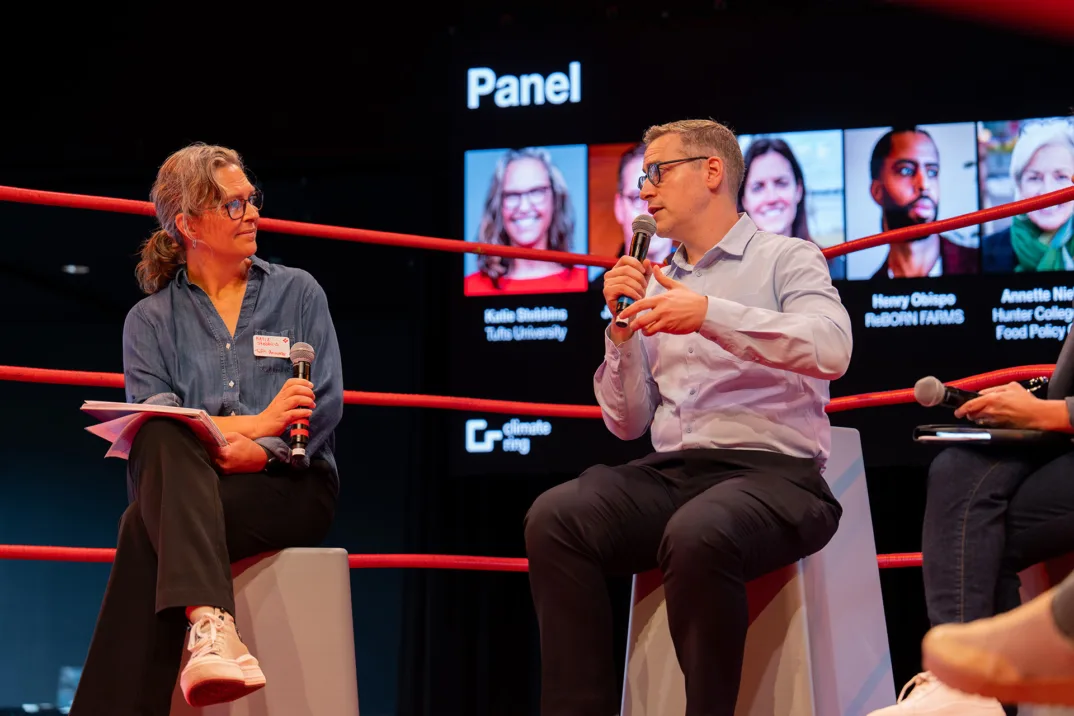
[(1005, 406), (295, 400), (241, 454)]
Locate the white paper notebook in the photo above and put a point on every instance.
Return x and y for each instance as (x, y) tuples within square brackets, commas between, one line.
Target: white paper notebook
[(120, 422)]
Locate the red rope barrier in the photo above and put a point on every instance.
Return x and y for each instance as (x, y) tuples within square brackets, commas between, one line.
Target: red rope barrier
[(973, 382), (920, 231), (896, 561), (510, 407), (341, 233), (301, 228), (476, 405), (43, 553), (438, 561), (86, 378)]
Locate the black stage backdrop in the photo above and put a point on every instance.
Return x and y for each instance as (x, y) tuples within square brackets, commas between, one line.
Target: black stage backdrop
[(361, 122), (788, 71)]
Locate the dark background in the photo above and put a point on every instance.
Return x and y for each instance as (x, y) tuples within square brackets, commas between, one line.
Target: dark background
[(357, 117)]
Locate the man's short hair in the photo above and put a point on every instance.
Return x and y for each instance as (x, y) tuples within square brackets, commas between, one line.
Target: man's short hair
[(883, 147), (708, 137)]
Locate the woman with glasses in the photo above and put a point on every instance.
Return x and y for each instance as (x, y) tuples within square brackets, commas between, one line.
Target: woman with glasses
[(528, 205), (215, 333)]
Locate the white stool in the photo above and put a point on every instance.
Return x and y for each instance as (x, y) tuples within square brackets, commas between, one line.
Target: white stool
[(294, 613), (817, 643)]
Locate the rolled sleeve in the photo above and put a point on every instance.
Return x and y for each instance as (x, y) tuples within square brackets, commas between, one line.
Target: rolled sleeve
[(277, 447)]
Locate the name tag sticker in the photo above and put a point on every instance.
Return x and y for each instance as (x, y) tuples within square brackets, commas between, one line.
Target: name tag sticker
[(272, 346)]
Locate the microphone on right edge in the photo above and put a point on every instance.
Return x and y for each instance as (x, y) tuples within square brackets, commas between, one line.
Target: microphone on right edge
[(930, 392), (301, 358), (644, 226)]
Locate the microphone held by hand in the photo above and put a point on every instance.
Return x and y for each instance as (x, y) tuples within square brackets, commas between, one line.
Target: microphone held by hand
[(644, 227), (930, 392), (301, 358)]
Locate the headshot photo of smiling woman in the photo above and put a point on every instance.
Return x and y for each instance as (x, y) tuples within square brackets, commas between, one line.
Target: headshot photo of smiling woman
[(1022, 160), (531, 198), (774, 189)]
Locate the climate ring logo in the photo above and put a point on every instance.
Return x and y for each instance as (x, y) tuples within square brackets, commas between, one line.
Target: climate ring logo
[(513, 436)]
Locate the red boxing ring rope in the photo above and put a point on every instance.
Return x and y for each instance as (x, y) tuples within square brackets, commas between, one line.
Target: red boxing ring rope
[(362, 561), (301, 228), (548, 410), (340, 233), (920, 231)]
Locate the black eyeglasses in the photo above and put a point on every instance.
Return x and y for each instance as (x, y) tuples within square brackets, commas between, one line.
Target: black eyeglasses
[(236, 208), (652, 172)]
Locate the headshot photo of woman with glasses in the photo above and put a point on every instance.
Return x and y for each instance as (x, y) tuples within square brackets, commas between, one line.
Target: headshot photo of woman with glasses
[(1041, 161), (528, 204)]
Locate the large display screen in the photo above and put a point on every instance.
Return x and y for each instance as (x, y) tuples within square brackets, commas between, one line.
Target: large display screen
[(950, 305)]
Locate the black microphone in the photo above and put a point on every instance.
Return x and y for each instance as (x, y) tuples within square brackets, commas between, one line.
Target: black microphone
[(301, 358), (644, 226), (930, 392)]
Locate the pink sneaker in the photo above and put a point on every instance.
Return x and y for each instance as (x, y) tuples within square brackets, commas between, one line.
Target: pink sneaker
[(931, 697), (221, 668)]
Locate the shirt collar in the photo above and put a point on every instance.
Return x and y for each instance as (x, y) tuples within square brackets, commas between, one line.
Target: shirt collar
[(182, 279), (733, 244)]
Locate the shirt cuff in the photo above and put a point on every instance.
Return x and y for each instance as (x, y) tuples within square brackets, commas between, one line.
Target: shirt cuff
[(722, 320), (625, 352), (276, 447), (170, 400)]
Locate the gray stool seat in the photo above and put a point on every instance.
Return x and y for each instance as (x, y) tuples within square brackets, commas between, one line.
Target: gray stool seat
[(294, 614)]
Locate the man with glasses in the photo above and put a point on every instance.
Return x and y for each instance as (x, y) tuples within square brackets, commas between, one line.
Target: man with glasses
[(727, 357), (628, 204)]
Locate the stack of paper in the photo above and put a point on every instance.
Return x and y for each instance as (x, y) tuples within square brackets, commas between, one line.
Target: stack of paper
[(121, 422)]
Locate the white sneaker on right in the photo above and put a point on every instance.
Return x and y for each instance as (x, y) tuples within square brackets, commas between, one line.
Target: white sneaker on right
[(932, 697)]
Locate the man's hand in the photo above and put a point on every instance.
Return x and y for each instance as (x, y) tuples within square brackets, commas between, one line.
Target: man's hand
[(241, 454), (1004, 406), (629, 277), (678, 310)]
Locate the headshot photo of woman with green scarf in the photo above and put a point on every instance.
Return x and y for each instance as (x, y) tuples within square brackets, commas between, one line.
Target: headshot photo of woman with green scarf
[(1041, 161)]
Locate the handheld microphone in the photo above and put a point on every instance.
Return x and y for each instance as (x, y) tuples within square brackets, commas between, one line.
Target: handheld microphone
[(930, 392), (644, 226), (301, 358)]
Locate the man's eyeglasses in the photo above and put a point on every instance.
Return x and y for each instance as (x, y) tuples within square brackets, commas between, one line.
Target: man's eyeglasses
[(652, 172), (236, 208)]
